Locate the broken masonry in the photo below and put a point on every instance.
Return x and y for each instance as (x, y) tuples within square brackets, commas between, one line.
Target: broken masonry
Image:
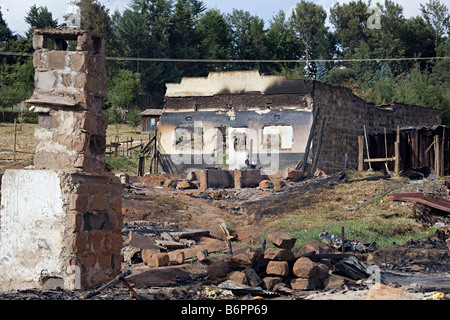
[(61, 221)]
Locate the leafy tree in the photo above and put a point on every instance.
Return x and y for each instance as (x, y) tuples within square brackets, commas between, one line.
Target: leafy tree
[(184, 37), (387, 42), (436, 14), (134, 118), (308, 24), (281, 42), (124, 89), (382, 91), (94, 16), (154, 75), (418, 39), (6, 35), (340, 76), (349, 21), (215, 35), (39, 18), (133, 32), (248, 36)]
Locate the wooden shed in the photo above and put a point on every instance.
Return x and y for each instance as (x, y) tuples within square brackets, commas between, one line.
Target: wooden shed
[(150, 118)]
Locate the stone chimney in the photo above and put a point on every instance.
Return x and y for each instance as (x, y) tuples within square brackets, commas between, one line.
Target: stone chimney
[(70, 85), (61, 222)]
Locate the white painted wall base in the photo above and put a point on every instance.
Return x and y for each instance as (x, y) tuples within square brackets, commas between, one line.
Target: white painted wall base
[(31, 229)]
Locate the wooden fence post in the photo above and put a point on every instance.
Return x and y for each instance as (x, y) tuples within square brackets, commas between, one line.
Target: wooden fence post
[(360, 153)]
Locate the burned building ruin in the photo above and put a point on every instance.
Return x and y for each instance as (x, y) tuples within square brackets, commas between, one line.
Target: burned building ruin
[(228, 117)]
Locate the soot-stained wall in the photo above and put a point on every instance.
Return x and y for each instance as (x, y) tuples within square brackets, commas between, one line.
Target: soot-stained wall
[(218, 118)]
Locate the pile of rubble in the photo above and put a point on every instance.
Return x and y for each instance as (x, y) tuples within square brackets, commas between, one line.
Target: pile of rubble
[(313, 266), (156, 244)]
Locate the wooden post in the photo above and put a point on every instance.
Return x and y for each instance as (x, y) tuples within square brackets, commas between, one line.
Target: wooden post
[(397, 152), (319, 145), (308, 144), (15, 138), (437, 156), (367, 146), (156, 152), (442, 152), (360, 153), (386, 152)]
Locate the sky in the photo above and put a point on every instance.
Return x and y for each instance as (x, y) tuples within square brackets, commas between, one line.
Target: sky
[(14, 11)]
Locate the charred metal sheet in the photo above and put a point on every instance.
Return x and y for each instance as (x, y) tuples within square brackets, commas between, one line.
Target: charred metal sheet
[(419, 197)]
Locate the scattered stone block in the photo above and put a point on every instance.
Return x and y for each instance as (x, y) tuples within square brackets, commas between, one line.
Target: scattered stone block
[(266, 184), (383, 292), (278, 268), (335, 281), (260, 263), (304, 283), (322, 271), (155, 259), (202, 255), (243, 260), (170, 184), (304, 268), (176, 257), (315, 246), (220, 267), (278, 184), (294, 175), (282, 240), (270, 282), (237, 276), (252, 277), (183, 184), (279, 254)]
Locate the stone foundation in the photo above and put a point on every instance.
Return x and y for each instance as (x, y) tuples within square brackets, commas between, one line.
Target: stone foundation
[(59, 229)]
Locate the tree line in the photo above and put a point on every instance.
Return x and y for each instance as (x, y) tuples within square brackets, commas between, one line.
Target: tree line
[(185, 29)]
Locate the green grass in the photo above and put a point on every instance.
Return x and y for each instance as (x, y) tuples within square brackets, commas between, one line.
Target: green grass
[(327, 211), (123, 164)]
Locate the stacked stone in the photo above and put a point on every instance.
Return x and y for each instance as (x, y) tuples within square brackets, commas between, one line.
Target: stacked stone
[(68, 97), (93, 226), (275, 268)]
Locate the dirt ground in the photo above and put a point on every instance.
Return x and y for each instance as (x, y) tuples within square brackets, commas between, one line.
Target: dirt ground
[(415, 269)]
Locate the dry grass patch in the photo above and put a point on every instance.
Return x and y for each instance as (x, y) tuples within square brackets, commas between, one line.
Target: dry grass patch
[(328, 210)]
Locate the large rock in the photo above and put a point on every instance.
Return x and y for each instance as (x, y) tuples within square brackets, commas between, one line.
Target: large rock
[(155, 259), (304, 283), (237, 276), (278, 268), (278, 254), (270, 282), (252, 277), (305, 268), (243, 259), (282, 240), (220, 267)]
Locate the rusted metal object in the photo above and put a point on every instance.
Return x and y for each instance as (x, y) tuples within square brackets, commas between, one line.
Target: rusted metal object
[(419, 197)]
